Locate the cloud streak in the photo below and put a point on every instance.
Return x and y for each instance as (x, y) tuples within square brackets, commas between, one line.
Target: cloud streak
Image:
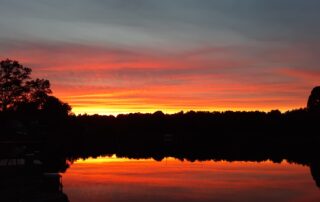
[(168, 55)]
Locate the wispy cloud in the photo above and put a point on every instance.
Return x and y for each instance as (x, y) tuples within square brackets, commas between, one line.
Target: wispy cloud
[(171, 54)]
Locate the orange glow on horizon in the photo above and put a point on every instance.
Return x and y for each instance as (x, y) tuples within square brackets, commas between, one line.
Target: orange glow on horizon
[(116, 82), (150, 100), (107, 105), (116, 111)]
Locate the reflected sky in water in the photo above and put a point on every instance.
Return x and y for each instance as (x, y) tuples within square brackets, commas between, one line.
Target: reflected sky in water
[(120, 179)]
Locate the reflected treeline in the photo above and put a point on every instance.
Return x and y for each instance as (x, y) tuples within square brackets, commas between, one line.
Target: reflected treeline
[(30, 171), (302, 151), (199, 135), (230, 136)]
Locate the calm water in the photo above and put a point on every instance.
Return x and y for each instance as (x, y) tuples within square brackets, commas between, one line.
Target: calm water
[(119, 179)]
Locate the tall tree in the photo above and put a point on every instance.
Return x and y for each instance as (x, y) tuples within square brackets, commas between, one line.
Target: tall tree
[(18, 90), (314, 100), (13, 84)]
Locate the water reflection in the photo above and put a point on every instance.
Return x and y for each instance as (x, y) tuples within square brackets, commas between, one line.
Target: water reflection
[(37, 177), (121, 179)]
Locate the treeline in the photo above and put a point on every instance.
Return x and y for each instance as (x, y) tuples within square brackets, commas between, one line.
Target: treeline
[(296, 122), (205, 129), (149, 130)]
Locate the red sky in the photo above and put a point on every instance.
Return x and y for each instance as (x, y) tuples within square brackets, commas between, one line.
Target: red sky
[(107, 58)]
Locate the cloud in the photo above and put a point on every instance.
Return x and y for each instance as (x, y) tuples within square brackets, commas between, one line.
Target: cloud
[(202, 54), (173, 26)]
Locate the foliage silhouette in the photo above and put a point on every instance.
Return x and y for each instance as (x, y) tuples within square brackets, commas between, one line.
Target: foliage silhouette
[(12, 83), (314, 100), (16, 86), (19, 93)]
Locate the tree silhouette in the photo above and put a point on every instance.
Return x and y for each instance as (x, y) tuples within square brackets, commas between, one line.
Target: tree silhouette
[(18, 92), (13, 84), (38, 91), (53, 107), (314, 100)]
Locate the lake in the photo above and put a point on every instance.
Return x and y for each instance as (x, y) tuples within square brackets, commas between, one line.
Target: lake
[(122, 179)]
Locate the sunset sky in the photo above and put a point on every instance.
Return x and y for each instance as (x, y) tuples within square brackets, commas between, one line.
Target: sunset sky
[(121, 56)]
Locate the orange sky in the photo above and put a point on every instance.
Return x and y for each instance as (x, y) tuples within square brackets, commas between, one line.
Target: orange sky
[(111, 57), (99, 85), (175, 83)]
